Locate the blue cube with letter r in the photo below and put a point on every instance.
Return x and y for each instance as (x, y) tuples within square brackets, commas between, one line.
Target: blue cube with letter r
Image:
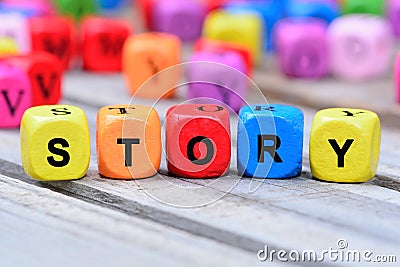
[(270, 141)]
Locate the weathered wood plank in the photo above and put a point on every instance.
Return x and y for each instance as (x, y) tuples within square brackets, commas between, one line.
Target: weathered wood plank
[(41, 228), (275, 211)]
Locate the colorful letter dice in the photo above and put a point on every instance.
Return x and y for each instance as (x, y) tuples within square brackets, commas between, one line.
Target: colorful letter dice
[(45, 75), (270, 141), (55, 143), (344, 145), (397, 76), (206, 45), (128, 141), (220, 77), (103, 41), (8, 46), (54, 35), (76, 8), (360, 47), (15, 96), (326, 10), (375, 7), (238, 28), (198, 141), (271, 12), (393, 13), (15, 26), (182, 18), (302, 47), (143, 57)]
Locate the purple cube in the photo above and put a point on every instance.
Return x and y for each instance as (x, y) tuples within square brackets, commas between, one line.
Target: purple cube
[(218, 77), (182, 18), (393, 13), (302, 47)]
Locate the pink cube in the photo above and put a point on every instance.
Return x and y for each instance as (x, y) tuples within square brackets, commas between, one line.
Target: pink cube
[(218, 78), (302, 47), (182, 18), (16, 27), (360, 46), (15, 96), (393, 13), (37, 7), (397, 76)]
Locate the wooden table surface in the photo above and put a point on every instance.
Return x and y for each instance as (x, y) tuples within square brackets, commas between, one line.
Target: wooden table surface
[(167, 221)]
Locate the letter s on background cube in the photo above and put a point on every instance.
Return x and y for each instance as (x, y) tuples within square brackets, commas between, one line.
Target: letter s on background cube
[(128, 141), (270, 141), (345, 145), (198, 142), (55, 143)]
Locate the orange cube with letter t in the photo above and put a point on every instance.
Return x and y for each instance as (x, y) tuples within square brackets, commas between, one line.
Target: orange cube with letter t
[(128, 141)]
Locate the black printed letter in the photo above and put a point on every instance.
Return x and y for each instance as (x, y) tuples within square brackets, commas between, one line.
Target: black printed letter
[(210, 150), (341, 152), (262, 148), (128, 149), (57, 151)]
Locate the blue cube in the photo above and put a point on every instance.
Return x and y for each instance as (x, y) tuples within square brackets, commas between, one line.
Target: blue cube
[(270, 141), (110, 4), (326, 10), (271, 12)]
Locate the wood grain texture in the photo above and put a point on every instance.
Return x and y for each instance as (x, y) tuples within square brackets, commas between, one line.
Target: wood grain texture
[(293, 214), (40, 227), (140, 222)]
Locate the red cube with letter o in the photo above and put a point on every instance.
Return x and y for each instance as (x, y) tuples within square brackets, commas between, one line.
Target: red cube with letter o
[(198, 140)]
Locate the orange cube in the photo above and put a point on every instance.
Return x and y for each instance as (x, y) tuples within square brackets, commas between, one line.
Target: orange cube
[(147, 54), (128, 141)]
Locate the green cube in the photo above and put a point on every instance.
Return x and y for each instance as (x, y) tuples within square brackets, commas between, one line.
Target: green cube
[(76, 8), (376, 7)]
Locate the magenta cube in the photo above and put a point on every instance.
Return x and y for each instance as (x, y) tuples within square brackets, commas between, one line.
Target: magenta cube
[(15, 96), (302, 47), (182, 18), (397, 76), (218, 78), (361, 47), (393, 13)]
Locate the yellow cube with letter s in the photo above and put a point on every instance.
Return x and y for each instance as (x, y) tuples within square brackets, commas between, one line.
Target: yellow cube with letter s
[(55, 143)]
